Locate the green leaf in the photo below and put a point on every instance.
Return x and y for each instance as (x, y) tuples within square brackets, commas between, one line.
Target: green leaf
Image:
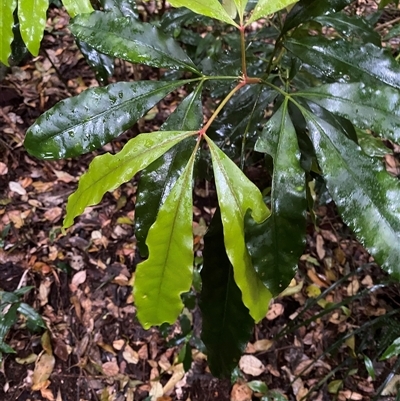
[(159, 177), (7, 8), (107, 172), (237, 194), (134, 41), (231, 8), (32, 16), (369, 366), (209, 8), (75, 7), (392, 350), (351, 26), (369, 106), (267, 7), (366, 195), (342, 60), (167, 273), (371, 146), (306, 10), (102, 64), (7, 320), (123, 8), (276, 261), (31, 314), (90, 120), (227, 324)]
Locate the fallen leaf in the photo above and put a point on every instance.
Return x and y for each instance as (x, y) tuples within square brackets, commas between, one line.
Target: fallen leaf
[(17, 188), (78, 279), (241, 392), (130, 355), (43, 369), (110, 368), (177, 375), (53, 214), (262, 345), (275, 311), (251, 365), (3, 168)]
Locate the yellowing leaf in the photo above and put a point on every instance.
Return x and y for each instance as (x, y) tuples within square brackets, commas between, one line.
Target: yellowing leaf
[(43, 369), (266, 7), (75, 7), (167, 273), (7, 8), (107, 172), (237, 194)]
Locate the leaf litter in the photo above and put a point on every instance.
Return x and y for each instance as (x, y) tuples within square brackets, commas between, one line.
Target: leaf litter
[(95, 347)]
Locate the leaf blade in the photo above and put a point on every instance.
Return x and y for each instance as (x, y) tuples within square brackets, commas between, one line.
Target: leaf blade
[(209, 8), (131, 40), (93, 118), (75, 7), (227, 324), (365, 194), (157, 179), (32, 20), (276, 261), (346, 60), (236, 194), (6, 24), (107, 172), (267, 7), (167, 273), (370, 106)]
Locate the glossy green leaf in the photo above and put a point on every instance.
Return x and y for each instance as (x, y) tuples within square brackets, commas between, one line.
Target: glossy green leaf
[(7, 8), (276, 261), (167, 273), (392, 350), (369, 366), (31, 314), (75, 7), (369, 106), (159, 177), (351, 26), (102, 64), (371, 146), (134, 41), (7, 320), (227, 324), (306, 10), (107, 172), (123, 8), (236, 194), (267, 7), (366, 195), (209, 8), (346, 61), (86, 122), (32, 21)]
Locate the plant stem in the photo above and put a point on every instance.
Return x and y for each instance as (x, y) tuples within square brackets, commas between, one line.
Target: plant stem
[(220, 107), (243, 50)]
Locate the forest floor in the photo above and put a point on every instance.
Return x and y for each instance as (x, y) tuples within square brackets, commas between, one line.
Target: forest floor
[(321, 340)]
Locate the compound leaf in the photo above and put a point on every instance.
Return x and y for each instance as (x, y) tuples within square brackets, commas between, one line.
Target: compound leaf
[(276, 261), (90, 120), (6, 24), (107, 172), (159, 177), (369, 106), (131, 40), (32, 21), (75, 7), (209, 8), (227, 324), (266, 7), (167, 273), (366, 195), (236, 194), (342, 60)]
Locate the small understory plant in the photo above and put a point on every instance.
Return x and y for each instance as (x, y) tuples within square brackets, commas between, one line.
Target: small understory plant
[(303, 104)]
